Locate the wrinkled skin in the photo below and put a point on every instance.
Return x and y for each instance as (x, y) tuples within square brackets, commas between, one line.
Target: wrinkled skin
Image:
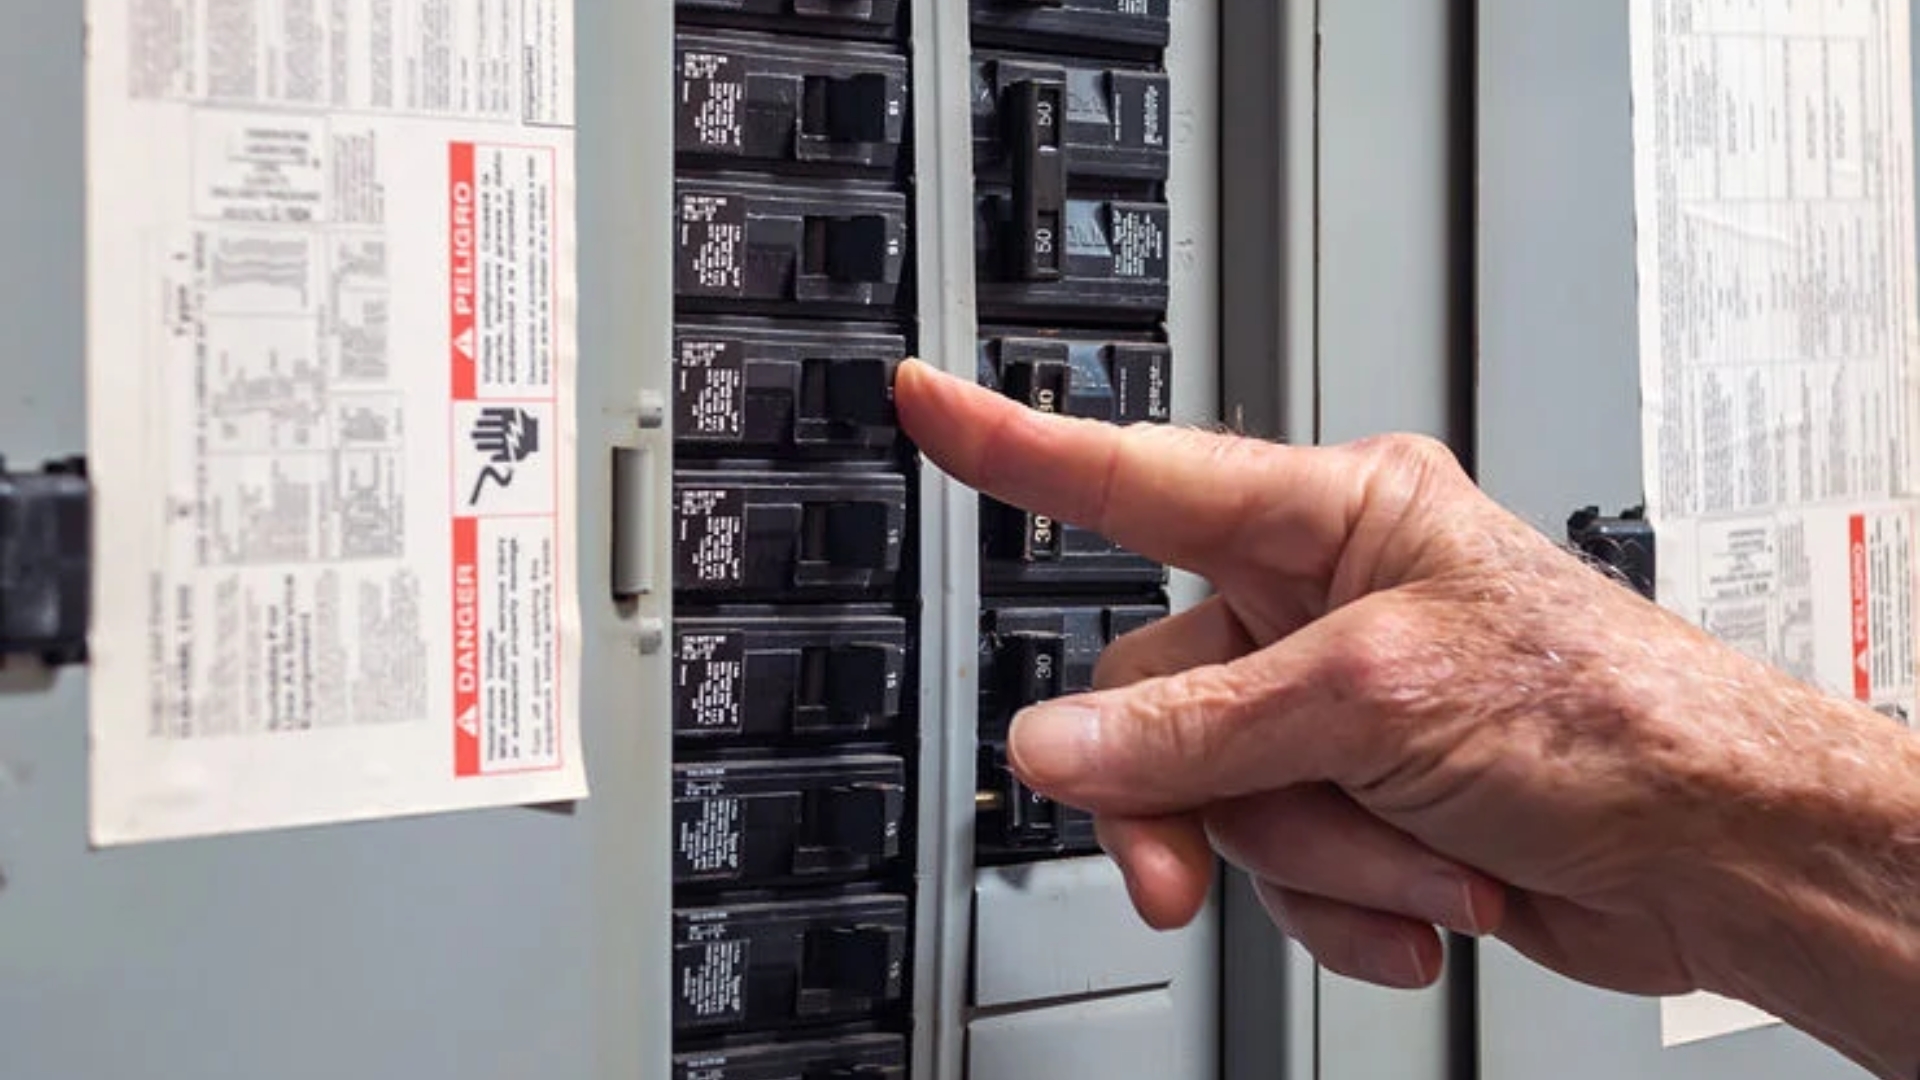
[(1403, 708)]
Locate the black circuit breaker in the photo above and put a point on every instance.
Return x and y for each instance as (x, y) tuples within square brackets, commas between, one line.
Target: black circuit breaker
[(850, 1057), (785, 390), (784, 965), (788, 248), (779, 534), (772, 678), (760, 99), (795, 556), (1039, 119), (1106, 261), (1032, 652), (1118, 379), (786, 821)]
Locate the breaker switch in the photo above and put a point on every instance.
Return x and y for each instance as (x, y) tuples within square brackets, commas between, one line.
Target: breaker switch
[(1020, 536), (841, 18), (856, 248), (1042, 383), (857, 822), (860, 392), (843, 964), (857, 536), (1030, 664), (1074, 25), (1036, 112), (852, 109), (1031, 817), (1117, 131), (862, 680), (1013, 819)]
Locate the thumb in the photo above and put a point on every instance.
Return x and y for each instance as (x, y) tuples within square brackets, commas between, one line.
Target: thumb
[(1283, 716)]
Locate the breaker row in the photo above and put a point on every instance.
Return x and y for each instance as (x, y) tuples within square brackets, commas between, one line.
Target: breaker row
[(795, 532), (1072, 154)]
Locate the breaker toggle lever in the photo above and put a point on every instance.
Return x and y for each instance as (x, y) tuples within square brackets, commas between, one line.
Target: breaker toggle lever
[(855, 825), (1036, 114), (856, 963), (860, 392), (852, 109)]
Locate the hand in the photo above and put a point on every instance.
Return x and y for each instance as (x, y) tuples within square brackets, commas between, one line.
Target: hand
[(1405, 708)]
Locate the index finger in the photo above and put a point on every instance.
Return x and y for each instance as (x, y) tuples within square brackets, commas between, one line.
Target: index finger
[(1199, 501)]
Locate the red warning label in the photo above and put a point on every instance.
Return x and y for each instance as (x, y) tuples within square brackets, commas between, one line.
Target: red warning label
[(504, 482)]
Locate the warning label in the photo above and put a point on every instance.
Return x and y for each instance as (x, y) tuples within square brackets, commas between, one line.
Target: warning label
[(504, 482)]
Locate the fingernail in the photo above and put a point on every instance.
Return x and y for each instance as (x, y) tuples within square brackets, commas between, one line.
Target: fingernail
[(1050, 744), (1392, 963), (1446, 900)]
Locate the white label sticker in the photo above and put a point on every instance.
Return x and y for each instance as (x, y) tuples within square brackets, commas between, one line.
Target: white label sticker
[(331, 363), (1779, 347)]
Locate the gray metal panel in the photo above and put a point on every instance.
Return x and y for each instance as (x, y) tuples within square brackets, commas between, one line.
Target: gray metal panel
[(1269, 77), (1066, 929), (1140, 1035), (1559, 427), (1270, 987), (1559, 354), (537, 938), (949, 556), (1390, 310), (1389, 322)]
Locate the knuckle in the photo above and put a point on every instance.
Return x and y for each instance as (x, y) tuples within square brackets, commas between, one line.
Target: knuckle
[(1363, 663), (1417, 456), (1192, 715)]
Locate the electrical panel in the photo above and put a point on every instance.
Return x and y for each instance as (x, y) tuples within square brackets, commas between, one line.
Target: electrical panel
[(794, 527)]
